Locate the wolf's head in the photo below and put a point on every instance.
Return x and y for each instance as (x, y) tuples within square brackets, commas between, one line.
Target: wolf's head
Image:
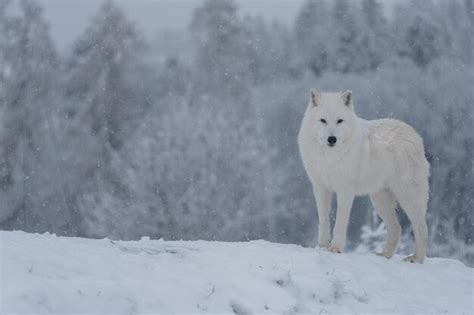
[(330, 117)]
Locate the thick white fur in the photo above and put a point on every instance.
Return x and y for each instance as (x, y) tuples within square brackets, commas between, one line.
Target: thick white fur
[(382, 158)]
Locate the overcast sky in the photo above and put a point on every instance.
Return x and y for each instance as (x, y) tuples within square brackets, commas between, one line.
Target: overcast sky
[(68, 18)]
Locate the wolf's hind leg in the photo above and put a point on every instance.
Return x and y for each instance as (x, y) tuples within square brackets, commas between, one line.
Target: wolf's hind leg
[(384, 203), (414, 203)]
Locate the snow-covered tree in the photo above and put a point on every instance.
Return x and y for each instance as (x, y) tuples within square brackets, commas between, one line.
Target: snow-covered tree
[(28, 72), (375, 34), (106, 100), (312, 34), (268, 49), (421, 39), (347, 47), (102, 59), (457, 20), (221, 67), (418, 35)]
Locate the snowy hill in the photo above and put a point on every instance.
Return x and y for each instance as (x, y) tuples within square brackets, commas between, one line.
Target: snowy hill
[(44, 274)]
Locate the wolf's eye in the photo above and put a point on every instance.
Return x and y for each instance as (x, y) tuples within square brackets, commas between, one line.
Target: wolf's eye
[(339, 121), (323, 120)]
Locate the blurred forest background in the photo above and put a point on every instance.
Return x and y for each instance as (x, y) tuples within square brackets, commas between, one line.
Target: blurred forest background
[(118, 139)]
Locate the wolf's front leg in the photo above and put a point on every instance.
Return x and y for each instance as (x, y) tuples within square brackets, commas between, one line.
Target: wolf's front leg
[(344, 205), (323, 202)]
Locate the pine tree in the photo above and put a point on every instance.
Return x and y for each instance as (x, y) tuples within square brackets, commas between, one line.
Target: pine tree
[(27, 79), (103, 90), (102, 59), (375, 35), (312, 34), (422, 41), (348, 46), (418, 33), (221, 65)]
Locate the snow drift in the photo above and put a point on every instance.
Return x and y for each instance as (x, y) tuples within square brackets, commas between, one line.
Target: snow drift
[(45, 274)]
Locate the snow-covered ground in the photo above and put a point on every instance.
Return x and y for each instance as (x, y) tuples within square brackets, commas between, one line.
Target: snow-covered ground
[(45, 274)]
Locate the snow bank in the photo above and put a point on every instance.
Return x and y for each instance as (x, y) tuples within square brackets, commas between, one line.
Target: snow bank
[(47, 274)]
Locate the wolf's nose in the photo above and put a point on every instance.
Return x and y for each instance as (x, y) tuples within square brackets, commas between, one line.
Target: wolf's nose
[(332, 140)]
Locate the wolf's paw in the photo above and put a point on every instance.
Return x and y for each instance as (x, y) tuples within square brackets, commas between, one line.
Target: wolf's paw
[(413, 259), (384, 254), (334, 249)]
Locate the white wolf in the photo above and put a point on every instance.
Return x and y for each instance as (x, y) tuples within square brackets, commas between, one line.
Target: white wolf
[(350, 156)]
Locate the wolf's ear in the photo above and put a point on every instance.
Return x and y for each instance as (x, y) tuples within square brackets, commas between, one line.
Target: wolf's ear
[(347, 97), (314, 97)]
